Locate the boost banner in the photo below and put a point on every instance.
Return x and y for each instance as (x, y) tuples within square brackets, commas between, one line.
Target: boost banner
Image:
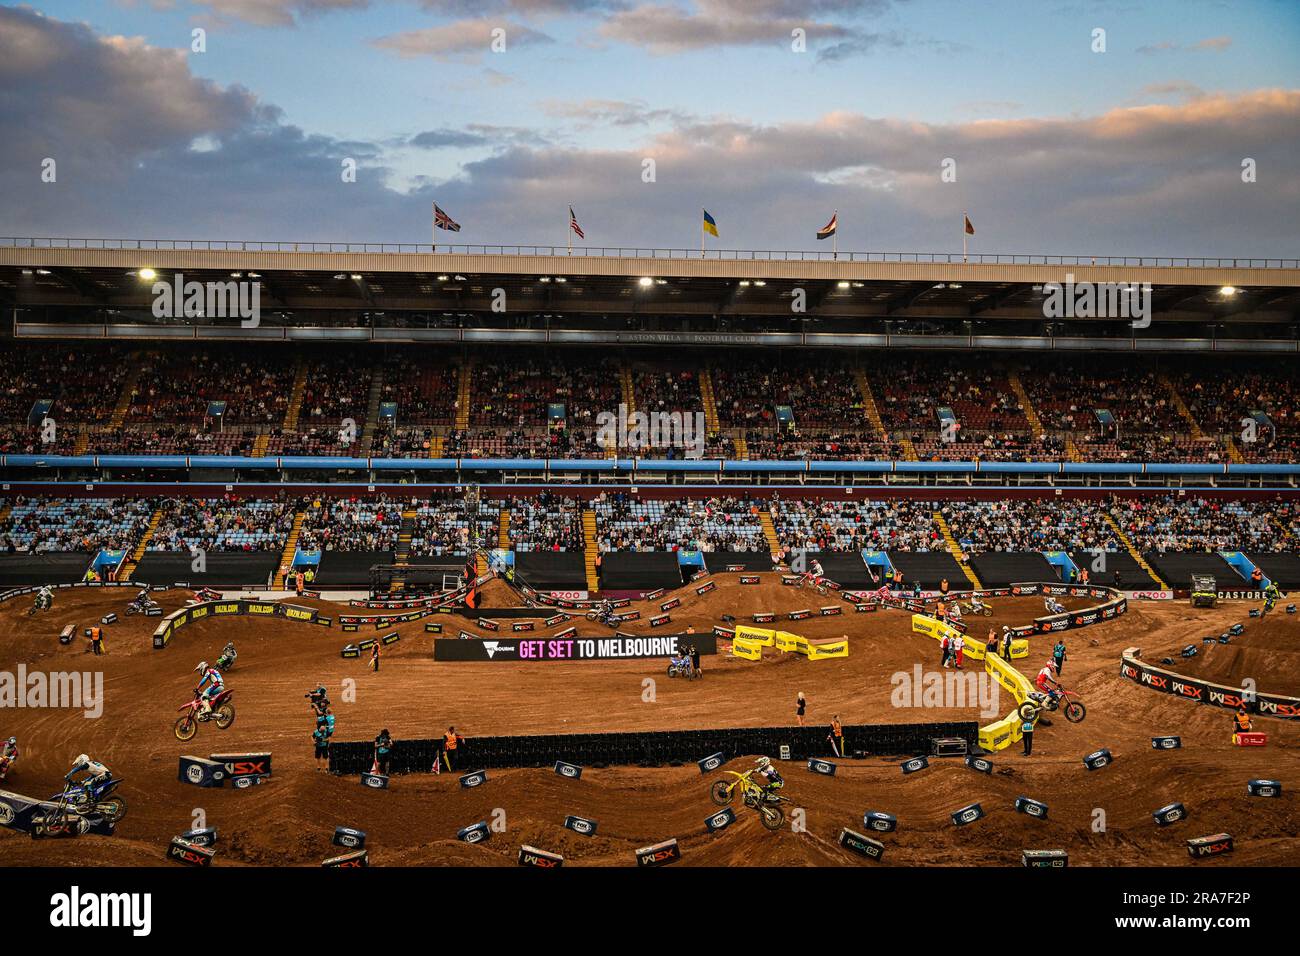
[(528, 650)]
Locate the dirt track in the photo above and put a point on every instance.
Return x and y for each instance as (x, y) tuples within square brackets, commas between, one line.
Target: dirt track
[(289, 820), (1268, 652)]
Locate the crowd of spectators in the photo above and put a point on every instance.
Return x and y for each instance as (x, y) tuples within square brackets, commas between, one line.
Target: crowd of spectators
[(627, 523), (893, 524), (1169, 523), (178, 386), (444, 527), (1247, 407), (228, 524), (1029, 524), (423, 384), (74, 524), (81, 382), (545, 522), (351, 524)]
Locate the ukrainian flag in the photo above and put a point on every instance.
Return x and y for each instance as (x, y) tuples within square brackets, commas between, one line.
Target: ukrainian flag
[(710, 226)]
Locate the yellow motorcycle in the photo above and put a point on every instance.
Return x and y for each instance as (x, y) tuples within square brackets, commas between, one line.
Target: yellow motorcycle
[(767, 805)]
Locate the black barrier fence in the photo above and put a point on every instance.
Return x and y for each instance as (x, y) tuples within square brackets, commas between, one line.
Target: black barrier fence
[(46, 567), (216, 569), (640, 571), (1000, 568), (1203, 692), (213, 610), (514, 649), (718, 561), (1282, 568), (552, 570), (350, 568), (652, 749), (1177, 568), (1102, 565), (929, 567), (847, 569), (1113, 604)]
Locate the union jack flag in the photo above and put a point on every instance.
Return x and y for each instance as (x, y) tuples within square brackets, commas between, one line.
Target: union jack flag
[(444, 221)]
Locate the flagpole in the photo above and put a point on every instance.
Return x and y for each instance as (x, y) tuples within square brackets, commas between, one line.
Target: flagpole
[(434, 228), (963, 235), (835, 239), (703, 213), (569, 230)]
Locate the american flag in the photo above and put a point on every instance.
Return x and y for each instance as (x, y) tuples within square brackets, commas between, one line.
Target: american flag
[(573, 224), (444, 221)]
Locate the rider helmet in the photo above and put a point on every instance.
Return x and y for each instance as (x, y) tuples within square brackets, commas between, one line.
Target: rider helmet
[(83, 758), (762, 763), (203, 665), (12, 741), (1051, 665)]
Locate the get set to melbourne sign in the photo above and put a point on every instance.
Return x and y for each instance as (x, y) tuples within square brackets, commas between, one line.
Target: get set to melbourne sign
[(530, 649)]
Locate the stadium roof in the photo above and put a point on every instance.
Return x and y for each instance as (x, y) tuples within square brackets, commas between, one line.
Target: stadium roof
[(103, 274)]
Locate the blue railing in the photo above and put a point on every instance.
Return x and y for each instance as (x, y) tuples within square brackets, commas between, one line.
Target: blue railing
[(694, 466)]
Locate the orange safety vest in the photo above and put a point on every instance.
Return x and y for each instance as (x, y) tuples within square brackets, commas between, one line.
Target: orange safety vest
[(451, 740), (836, 728), (94, 633), (1242, 721)]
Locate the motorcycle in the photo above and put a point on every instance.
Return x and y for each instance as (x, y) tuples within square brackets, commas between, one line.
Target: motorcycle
[(767, 805), (227, 660), (5, 764), (141, 607), (1038, 702), (63, 821), (603, 618), (40, 604), (969, 608), (681, 667), (98, 800), (223, 712)]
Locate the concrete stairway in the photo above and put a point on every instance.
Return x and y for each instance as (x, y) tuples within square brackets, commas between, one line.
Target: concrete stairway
[(769, 531), (290, 549), (955, 549), (1133, 552), (133, 559), (590, 549)]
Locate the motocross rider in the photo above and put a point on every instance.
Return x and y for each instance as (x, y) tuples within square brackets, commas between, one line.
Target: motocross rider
[(1046, 681), (769, 781), (215, 683), (96, 773)]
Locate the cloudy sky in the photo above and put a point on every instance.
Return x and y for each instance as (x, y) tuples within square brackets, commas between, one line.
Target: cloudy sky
[(1057, 146)]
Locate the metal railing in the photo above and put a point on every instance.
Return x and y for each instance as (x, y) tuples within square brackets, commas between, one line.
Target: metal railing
[(645, 252)]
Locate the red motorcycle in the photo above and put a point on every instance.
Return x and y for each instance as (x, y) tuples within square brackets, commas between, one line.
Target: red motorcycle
[(223, 712), (1037, 702)]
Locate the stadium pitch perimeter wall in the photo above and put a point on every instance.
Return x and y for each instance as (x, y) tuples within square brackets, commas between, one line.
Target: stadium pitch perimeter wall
[(651, 749)]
